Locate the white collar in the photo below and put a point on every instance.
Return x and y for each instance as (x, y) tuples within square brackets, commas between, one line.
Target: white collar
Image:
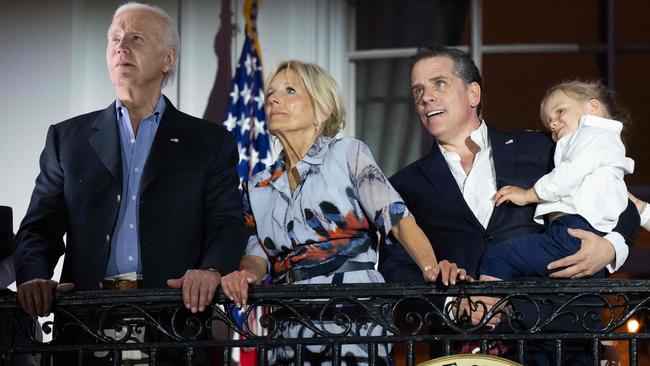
[(479, 136)]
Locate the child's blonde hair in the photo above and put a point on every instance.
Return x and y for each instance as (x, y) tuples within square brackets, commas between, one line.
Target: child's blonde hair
[(586, 90)]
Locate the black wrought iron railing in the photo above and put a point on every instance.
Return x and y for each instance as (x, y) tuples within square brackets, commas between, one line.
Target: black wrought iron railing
[(556, 318)]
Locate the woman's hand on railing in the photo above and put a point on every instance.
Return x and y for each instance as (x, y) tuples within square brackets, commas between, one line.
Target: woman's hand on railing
[(449, 273), (252, 270), (235, 285)]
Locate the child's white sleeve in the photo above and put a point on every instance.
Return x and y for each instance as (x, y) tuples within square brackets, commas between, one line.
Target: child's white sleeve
[(565, 178)]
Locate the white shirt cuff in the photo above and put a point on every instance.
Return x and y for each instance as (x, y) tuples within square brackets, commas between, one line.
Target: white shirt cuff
[(621, 251), (449, 299), (645, 214), (538, 187)]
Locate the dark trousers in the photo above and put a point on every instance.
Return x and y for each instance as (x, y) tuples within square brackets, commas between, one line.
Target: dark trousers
[(529, 255)]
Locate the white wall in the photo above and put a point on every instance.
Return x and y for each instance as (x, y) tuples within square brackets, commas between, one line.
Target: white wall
[(36, 90), (306, 30), (52, 65)]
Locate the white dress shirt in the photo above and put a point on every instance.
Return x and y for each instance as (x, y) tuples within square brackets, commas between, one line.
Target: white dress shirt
[(478, 195), (480, 184)]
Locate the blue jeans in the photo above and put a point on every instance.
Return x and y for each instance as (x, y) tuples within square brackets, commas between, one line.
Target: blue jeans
[(529, 255)]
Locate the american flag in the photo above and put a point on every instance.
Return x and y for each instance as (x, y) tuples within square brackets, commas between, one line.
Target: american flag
[(246, 119)]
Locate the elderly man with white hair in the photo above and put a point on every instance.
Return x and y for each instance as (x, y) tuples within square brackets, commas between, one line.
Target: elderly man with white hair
[(145, 194)]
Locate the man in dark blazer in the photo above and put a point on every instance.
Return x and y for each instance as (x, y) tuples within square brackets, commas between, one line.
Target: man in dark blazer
[(462, 222), (450, 190), (138, 187)]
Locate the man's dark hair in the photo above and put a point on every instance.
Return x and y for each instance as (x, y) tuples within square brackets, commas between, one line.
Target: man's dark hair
[(464, 66)]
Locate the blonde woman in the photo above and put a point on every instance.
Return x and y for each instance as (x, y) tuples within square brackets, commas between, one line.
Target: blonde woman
[(317, 210)]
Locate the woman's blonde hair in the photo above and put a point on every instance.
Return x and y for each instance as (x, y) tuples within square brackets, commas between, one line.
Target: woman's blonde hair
[(322, 90)]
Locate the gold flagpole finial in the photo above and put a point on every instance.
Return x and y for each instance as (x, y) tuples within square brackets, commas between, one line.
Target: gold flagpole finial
[(250, 15)]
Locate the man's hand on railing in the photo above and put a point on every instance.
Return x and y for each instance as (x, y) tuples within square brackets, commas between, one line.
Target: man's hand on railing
[(198, 287), (36, 296)]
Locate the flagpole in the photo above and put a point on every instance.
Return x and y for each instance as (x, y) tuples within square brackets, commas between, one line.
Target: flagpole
[(250, 15), (246, 120)]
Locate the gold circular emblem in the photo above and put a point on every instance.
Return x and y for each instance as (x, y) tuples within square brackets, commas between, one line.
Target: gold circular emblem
[(469, 360)]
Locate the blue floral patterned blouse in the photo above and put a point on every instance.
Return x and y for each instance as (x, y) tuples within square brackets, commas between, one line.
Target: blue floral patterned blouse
[(341, 202)]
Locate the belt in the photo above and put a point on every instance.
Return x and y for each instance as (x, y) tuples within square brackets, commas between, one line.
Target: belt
[(555, 215), (335, 266), (120, 284)]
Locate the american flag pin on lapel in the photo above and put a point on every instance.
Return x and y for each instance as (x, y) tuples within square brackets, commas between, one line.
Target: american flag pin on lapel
[(173, 139), (510, 141)]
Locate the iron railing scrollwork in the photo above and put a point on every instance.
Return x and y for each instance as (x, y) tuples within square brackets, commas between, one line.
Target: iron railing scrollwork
[(368, 314)]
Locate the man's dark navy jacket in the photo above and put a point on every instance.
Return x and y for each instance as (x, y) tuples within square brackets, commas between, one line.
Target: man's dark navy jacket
[(190, 209)]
